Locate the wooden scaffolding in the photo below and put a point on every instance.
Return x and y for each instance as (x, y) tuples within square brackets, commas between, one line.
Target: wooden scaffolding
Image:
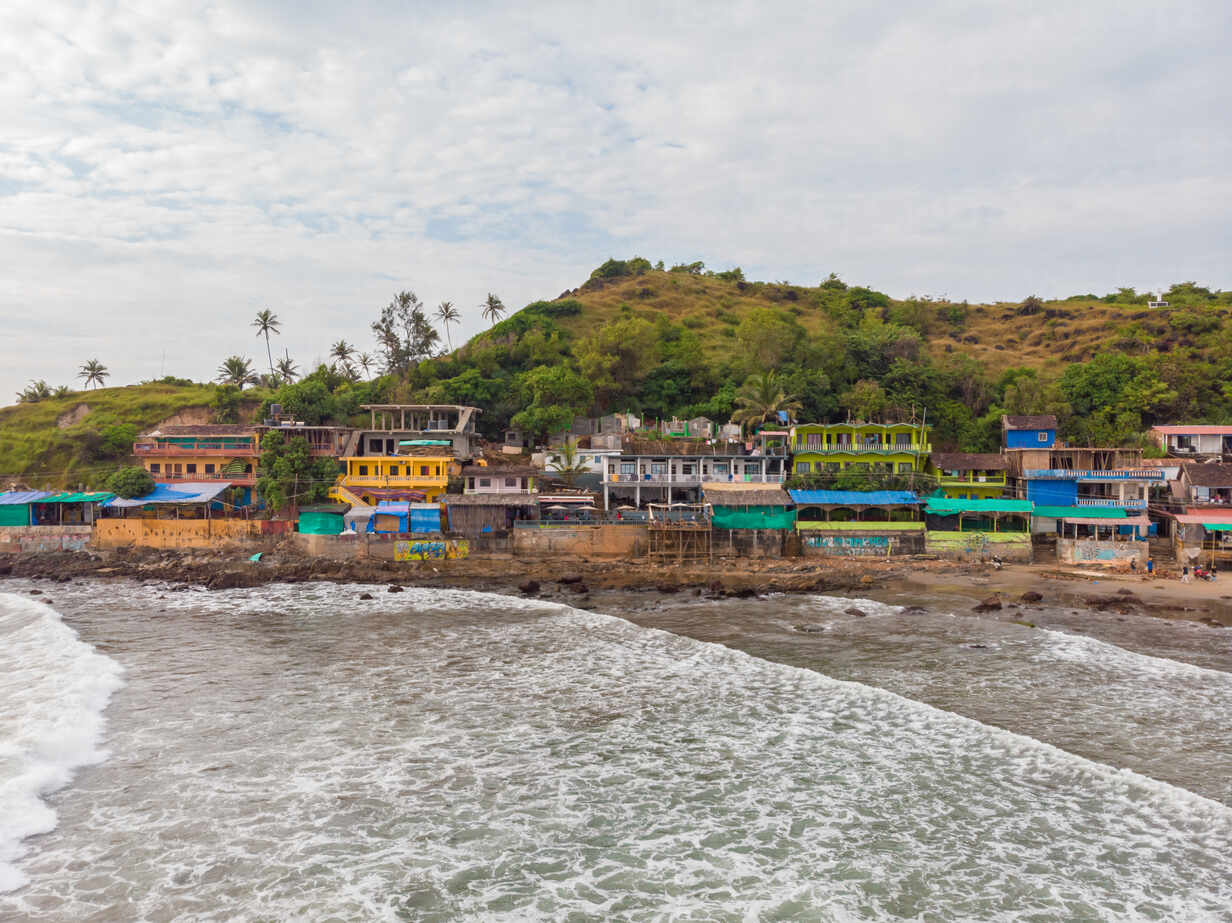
[(680, 532)]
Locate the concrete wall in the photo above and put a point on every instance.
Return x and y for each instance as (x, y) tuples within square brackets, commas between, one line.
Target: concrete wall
[(605, 541), (1106, 553), (976, 546), (187, 533), (15, 539), (752, 543), (866, 543), (405, 547)]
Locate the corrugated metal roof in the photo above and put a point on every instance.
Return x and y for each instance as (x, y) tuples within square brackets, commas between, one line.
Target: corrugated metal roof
[(967, 461), (1030, 421), (1202, 519), (492, 499), (71, 497), (23, 496), (948, 506), (1089, 512), (183, 492), (854, 497), (1198, 429), (1138, 521)]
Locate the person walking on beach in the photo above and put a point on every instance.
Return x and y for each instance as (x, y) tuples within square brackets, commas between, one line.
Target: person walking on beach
[(1185, 578)]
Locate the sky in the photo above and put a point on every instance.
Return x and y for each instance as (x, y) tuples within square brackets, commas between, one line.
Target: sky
[(169, 169)]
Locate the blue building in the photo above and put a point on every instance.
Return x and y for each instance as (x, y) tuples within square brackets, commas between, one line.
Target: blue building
[(1030, 431)]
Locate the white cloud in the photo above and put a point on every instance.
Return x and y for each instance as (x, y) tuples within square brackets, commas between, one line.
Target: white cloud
[(168, 169)]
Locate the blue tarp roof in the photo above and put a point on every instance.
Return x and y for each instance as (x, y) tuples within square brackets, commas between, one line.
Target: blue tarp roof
[(853, 497), (187, 492), (23, 496), (399, 509)]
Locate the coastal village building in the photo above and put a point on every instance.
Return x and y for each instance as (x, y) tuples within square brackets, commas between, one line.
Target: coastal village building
[(966, 476), (859, 522), (1194, 440), (201, 453), (393, 424), (749, 506), (670, 471), (888, 448), (415, 473), (1206, 485)]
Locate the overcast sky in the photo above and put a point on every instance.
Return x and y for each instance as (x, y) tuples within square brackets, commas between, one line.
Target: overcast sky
[(168, 169)]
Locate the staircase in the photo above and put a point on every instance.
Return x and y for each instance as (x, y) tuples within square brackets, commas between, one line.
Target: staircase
[(1161, 552)]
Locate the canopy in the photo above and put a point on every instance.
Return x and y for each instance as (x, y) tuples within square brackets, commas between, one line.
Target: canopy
[(948, 506), (1139, 521), (1217, 526), (854, 497), (185, 492), (23, 496), (96, 497), (1087, 512)]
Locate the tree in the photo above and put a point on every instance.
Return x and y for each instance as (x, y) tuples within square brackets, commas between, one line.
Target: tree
[(236, 370), (266, 323), (447, 314), (761, 398), (343, 351), (866, 399), (404, 334), (130, 482), (493, 308), (290, 474), (618, 356), (365, 363), (286, 369), (94, 373), (767, 338), (567, 464), (34, 392)]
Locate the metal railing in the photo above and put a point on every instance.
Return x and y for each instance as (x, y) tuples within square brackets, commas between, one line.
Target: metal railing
[(199, 448)]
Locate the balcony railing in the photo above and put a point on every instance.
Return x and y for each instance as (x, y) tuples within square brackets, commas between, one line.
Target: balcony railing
[(694, 479), (1110, 502), (989, 481), (246, 449), (403, 481), (801, 448), (246, 478)]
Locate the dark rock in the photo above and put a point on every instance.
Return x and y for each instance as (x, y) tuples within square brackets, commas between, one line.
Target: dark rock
[(394, 588), (1030, 597), (36, 592), (529, 587), (579, 588), (1124, 591), (991, 604), (667, 588), (365, 596), (978, 647), (810, 629), (570, 578), (742, 593), (858, 613), (913, 610)]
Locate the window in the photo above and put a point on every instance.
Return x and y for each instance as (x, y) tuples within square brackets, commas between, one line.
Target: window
[(178, 468), (832, 467), (658, 467), (209, 468), (423, 471), (802, 467), (363, 471), (904, 467), (393, 471), (902, 439), (628, 467), (470, 483), (485, 482), (154, 467), (511, 482), (1042, 436), (248, 469), (191, 468)]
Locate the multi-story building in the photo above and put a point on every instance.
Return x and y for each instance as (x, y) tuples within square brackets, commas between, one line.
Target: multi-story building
[(672, 471), (967, 476), (202, 453), (1194, 440), (416, 473), (392, 424), (889, 448)]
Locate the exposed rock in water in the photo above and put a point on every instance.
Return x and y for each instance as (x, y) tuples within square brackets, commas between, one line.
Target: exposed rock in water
[(913, 610), (570, 578), (529, 587), (365, 596), (36, 592), (394, 588), (811, 629), (991, 604), (858, 613), (579, 588), (1030, 597), (667, 588)]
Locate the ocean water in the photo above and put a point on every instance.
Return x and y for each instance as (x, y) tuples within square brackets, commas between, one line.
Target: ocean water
[(294, 752)]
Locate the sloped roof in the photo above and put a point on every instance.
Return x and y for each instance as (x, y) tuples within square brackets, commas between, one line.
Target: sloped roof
[(205, 429), (948, 506), (1029, 421), (182, 492), (1209, 475), (73, 497), (738, 494), (1196, 429), (13, 497), (854, 497), (493, 499), (1087, 512), (968, 461)]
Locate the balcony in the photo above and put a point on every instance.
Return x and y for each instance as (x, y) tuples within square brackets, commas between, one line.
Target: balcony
[(397, 482), (693, 480), (978, 481), (861, 449), (170, 477), (215, 449), (1110, 503)]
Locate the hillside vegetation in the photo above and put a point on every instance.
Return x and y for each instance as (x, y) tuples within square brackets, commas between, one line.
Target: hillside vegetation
[(689, 342)]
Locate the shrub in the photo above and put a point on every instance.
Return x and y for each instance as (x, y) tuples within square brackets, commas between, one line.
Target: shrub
[(567, 307), (130, 482)]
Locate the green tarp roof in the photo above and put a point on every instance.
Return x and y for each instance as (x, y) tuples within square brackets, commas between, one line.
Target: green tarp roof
[(948, 506), (1084, 512), (1217, 526), (69, 497)]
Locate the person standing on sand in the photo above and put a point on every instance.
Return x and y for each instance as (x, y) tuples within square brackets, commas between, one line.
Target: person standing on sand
[(1185, 578), (1133, 565), (1150, 565)]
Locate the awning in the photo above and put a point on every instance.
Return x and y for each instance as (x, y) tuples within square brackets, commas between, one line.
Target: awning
[(854, 497), (1217, 526), (23, 496), (186, 492), (1140, 521), (1213, 517), (1086, 512), (948, 506), (101, 496)]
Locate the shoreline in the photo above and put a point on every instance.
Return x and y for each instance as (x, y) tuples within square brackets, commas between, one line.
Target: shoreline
[(573, 581)]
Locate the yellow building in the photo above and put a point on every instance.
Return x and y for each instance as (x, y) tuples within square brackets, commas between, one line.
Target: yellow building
[(417, 473)]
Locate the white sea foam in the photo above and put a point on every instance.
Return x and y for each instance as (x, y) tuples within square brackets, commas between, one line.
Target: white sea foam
[(53, 689)]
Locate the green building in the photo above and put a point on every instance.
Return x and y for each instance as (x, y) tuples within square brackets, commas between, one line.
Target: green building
[(967, 476), (886, 448)]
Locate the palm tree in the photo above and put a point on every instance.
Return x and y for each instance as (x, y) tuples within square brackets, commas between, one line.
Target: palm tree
[(94, 372), (566, 463), (761, 398), (365, 362), (286, 368), (34, 392), (493, 308), (343, 351), (447, 314), (236, 370), (267, 323)]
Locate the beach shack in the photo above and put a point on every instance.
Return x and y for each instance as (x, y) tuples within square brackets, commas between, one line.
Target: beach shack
[(1203, 536), (487, 513), (1104, 537), (15, 506), (322, 519), (858, 522), (749, 519), (969, 476), (973, 528), (40, 520), (390, 517)]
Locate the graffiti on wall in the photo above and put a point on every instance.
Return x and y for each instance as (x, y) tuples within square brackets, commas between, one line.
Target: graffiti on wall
[(850, 544), (431, 550), (1104, 551)]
